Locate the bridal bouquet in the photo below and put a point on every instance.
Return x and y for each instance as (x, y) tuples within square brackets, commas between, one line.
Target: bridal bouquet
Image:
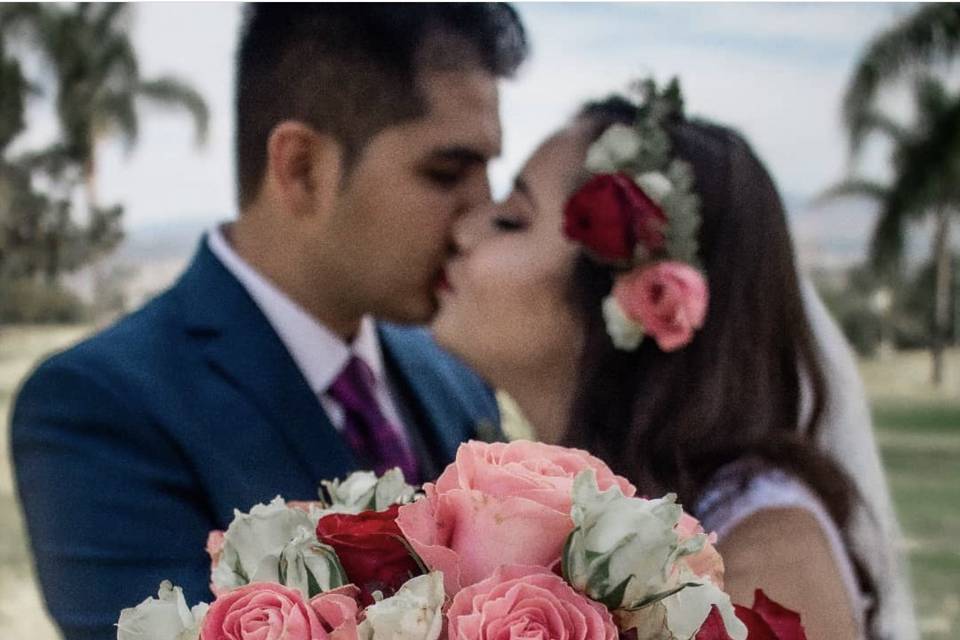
[(514, 541)]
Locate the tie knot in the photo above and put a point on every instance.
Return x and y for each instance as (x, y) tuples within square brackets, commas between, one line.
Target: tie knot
[(353, 388)]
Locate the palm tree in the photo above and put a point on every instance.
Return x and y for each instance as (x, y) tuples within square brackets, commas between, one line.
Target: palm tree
[(13, 91), (926, 163), (98, 81), (98, 86), (928, 36)]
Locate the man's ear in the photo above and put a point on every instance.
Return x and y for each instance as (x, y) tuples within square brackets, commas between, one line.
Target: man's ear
[(303, 167)]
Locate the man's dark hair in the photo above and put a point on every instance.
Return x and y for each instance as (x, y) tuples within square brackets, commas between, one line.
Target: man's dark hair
[(351, 70)]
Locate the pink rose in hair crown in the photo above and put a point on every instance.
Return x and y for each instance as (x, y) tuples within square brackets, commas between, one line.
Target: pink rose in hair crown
[(499, 504), (668, 299), (268, 610), (610, 214), (519, 602)]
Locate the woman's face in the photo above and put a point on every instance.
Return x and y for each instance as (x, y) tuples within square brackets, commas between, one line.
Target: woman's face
[(505, 309)]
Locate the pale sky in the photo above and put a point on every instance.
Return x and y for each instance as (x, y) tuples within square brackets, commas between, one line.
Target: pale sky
[(776, 72)]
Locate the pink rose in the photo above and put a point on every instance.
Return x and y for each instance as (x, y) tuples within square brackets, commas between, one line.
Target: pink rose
[(338, 611), (499, 504), (707, 562), (527, 602), (263, 610), (669, 299)]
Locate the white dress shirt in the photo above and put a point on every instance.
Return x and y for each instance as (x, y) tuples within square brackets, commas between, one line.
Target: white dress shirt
[(319, 353)]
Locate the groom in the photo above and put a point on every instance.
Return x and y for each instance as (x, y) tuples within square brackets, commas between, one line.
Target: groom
[(363, 132)]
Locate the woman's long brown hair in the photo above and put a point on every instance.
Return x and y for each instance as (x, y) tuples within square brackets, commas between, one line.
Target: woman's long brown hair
[(671, 421)]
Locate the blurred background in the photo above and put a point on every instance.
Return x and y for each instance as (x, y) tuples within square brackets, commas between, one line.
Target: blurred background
[(115, 156)]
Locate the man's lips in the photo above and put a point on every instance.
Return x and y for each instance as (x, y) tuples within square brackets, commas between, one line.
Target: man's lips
[(443, 283)]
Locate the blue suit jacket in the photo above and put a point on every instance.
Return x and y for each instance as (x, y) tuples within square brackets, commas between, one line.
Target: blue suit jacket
[(131, 446)]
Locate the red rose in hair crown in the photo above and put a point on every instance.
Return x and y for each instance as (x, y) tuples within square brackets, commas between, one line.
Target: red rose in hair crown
[(610, 214), (639, 213)]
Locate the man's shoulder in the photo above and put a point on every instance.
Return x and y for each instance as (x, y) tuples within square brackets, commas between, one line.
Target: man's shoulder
[(416, 345), (423, 357), (110, 358)]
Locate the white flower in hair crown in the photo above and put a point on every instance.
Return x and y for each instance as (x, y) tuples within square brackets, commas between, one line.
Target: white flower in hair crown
[(639, 213)]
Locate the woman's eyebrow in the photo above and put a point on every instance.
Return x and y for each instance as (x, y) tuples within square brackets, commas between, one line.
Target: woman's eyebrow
[(520, 185)]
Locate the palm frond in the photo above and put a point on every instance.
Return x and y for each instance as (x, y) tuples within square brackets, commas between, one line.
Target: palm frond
[(115, 110), (115, 60), (928, 166), (16, 14), (173, 92), (886, 241), (930, 34), (854, 188), (13, 91), (110, 19), (931, 99), (882, 123)]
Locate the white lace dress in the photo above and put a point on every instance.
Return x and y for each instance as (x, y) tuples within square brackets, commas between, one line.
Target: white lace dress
[(727, 502)]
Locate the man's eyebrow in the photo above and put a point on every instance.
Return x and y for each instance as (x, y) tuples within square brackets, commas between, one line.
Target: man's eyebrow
[(463, 155)]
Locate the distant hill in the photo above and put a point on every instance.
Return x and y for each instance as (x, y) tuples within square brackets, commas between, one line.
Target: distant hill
[(837, 235)]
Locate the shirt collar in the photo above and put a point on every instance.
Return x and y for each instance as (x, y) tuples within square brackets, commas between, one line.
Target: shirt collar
[(319, 353)]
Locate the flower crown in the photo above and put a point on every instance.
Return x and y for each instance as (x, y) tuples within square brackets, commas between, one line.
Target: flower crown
[(639, 214)]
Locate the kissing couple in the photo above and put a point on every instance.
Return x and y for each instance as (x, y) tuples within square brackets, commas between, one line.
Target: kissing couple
[(636, 294)]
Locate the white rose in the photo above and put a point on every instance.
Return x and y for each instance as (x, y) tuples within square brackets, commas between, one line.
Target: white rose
[(304, 564), (624, 332), (688, 608), (618, 146), (392, 488), (622, 550), (353, 494), (165, 617), (680, 616), (415, 612), (276, 543), (656, 185), (363, 490)]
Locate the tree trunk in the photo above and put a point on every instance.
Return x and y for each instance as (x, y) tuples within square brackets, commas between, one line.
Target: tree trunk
[(941, 313), (90, 180)]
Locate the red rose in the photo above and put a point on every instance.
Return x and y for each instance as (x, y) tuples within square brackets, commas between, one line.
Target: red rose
[(372, 550), (610, 214), (767, 620)]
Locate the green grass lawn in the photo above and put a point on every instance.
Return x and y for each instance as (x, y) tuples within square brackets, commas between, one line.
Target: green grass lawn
[(919, 432), (918, 429)]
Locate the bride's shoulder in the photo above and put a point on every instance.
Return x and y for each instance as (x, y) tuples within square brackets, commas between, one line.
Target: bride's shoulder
[(746, 487)]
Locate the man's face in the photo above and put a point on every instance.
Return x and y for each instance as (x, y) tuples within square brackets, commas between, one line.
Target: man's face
[(394, 217)]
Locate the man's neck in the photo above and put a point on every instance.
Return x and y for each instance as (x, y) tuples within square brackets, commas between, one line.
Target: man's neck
[(264, 252)]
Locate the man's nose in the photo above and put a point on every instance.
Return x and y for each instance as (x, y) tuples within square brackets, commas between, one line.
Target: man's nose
[(477, 192), (472, 227)]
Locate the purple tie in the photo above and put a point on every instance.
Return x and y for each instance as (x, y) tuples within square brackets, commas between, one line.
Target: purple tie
[(372, 438)]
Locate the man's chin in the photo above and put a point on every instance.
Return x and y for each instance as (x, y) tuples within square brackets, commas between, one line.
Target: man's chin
[(418, 314)]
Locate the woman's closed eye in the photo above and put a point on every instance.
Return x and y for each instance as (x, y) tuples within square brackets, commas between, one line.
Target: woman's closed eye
[(509, 223)]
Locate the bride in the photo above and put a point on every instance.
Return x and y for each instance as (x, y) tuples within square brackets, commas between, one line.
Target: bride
[(549, 295)]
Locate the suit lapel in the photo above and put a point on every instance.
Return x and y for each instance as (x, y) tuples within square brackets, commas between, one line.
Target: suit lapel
[(439, 423), (240, 345)]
